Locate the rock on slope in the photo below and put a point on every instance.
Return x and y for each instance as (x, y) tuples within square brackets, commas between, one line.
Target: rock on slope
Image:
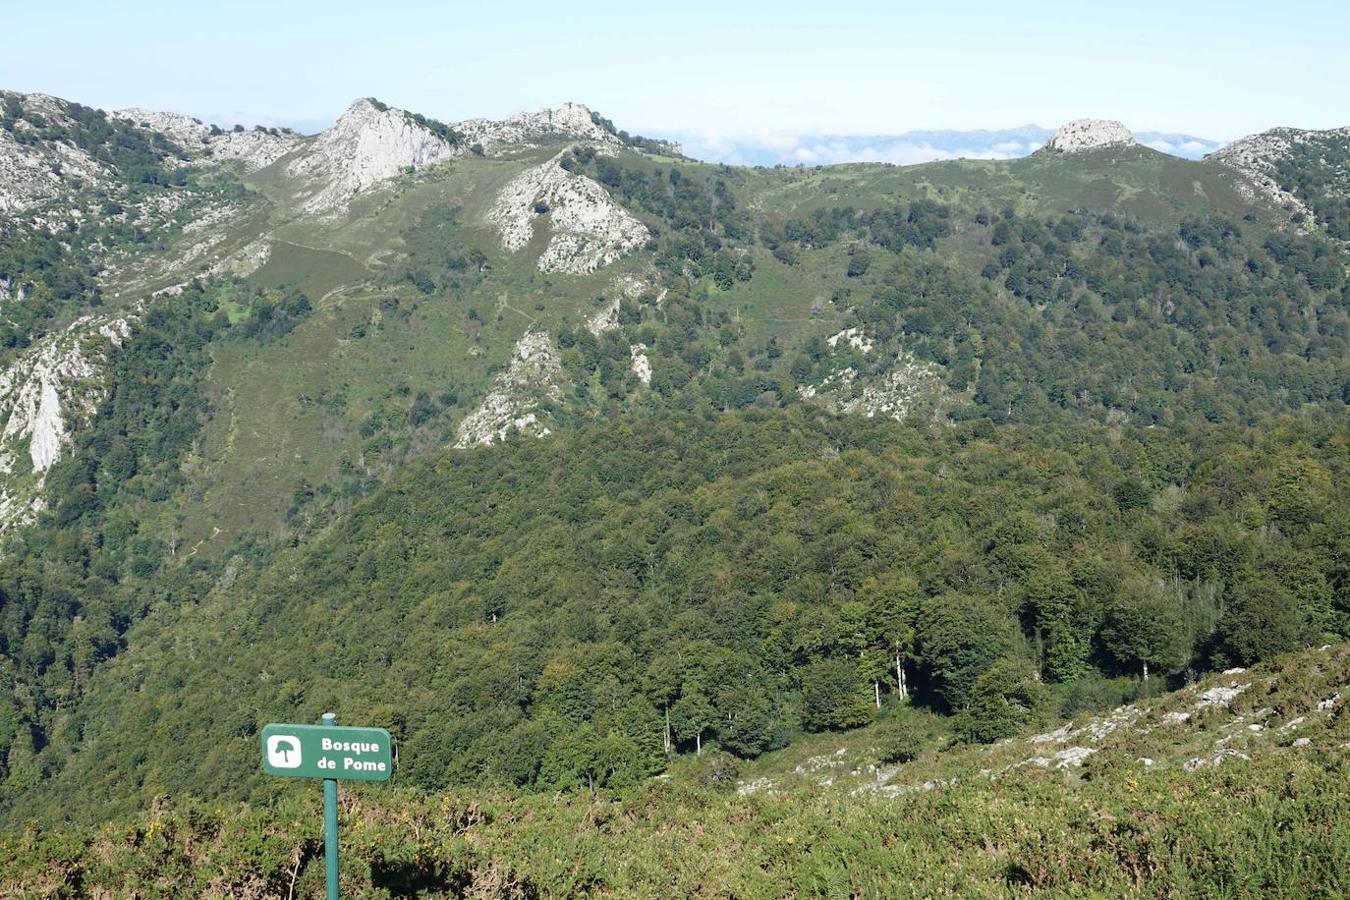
[(1293, 704), (590, 230), (63, 164), (534, 377), (254, 148), (1257, 156), (369, 144), (43, 395), (569, 122), (34, 171), (893, 391), (1089, 134)]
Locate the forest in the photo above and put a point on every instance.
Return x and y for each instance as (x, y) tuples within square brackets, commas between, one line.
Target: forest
[(1126, 472), (566, 614)]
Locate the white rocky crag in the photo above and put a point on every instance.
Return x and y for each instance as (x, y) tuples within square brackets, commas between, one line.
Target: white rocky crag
[(897, 392), (641, 365), (534, 377), (589, 229), (569, 122), (893, 393), (37, 171), (852, 337), (1257, 156), (1089, 134), (255, 149), (43, 394), (607, 319), (365, 147)]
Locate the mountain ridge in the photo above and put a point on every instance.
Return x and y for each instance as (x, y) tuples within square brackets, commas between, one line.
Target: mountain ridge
[(404, 368)]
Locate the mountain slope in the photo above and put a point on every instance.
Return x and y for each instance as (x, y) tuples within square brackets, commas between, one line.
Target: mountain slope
[(1265, 821), (515, 612), (305, 317), (1303, 171), (907, 148)]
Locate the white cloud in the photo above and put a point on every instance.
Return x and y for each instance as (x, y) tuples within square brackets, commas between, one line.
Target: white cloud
[(771, 147), (774, 148)]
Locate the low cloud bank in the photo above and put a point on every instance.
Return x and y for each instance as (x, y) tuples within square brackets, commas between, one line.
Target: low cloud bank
[(766, 148)]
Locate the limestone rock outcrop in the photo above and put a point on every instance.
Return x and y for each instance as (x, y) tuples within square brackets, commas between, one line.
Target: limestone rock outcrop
[(569, 122), (369, 144), (1256, 156), (1089, 134), (35, 171), (44, 394), (534, 377), (589, 229), (255, 148)]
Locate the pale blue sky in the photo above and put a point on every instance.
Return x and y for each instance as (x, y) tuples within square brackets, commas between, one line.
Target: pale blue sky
[(722, 68)]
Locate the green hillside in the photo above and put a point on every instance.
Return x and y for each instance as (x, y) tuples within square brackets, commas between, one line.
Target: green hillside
[(1095, 257), (614, 483), (529, 615), (1264, 820)]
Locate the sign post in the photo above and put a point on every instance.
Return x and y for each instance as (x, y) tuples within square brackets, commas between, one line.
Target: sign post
[(329, 752), (330, 833)]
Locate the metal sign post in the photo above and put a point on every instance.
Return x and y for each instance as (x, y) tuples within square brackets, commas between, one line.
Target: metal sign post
[(329, 752), (330, 832)]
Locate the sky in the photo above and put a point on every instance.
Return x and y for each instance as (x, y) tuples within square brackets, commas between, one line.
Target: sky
[(711, 73)]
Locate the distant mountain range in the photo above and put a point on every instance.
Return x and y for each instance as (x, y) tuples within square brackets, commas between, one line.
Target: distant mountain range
[(770, 149)]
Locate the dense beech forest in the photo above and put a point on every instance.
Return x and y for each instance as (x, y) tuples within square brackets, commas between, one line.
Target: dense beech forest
[(559, 614)]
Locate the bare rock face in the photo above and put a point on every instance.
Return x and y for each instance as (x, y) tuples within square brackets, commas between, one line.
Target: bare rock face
[(892, 392), (640, 364), (368, 145), (590, 230), (45, 393), (569, 122), (1256, 157), (184, 131), (1089, 134), (534, 377), (255, 148), (34, 172)]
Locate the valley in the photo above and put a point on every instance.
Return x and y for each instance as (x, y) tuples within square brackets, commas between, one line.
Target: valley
[(971, 528)]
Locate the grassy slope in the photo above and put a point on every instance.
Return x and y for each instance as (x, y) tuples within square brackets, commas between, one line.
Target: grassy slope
[(1271, 824), (268, 436), (1137, 181), (271, 431)]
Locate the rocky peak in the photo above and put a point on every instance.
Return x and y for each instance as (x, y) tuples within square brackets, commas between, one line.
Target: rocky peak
[(34, 171), (1257, 157), (44, 104), (1089, 134), (256, 148), (370, 143), (569, 122), (184, 131)]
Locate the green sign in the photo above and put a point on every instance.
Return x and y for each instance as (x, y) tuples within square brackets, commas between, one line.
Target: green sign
[(327, 751)]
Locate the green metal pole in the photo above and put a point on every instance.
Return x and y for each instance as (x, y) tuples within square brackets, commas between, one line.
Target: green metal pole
[(330, 825)]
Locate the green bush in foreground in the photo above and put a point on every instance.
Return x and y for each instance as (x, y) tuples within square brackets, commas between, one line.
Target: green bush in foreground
[(1270, 827)]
